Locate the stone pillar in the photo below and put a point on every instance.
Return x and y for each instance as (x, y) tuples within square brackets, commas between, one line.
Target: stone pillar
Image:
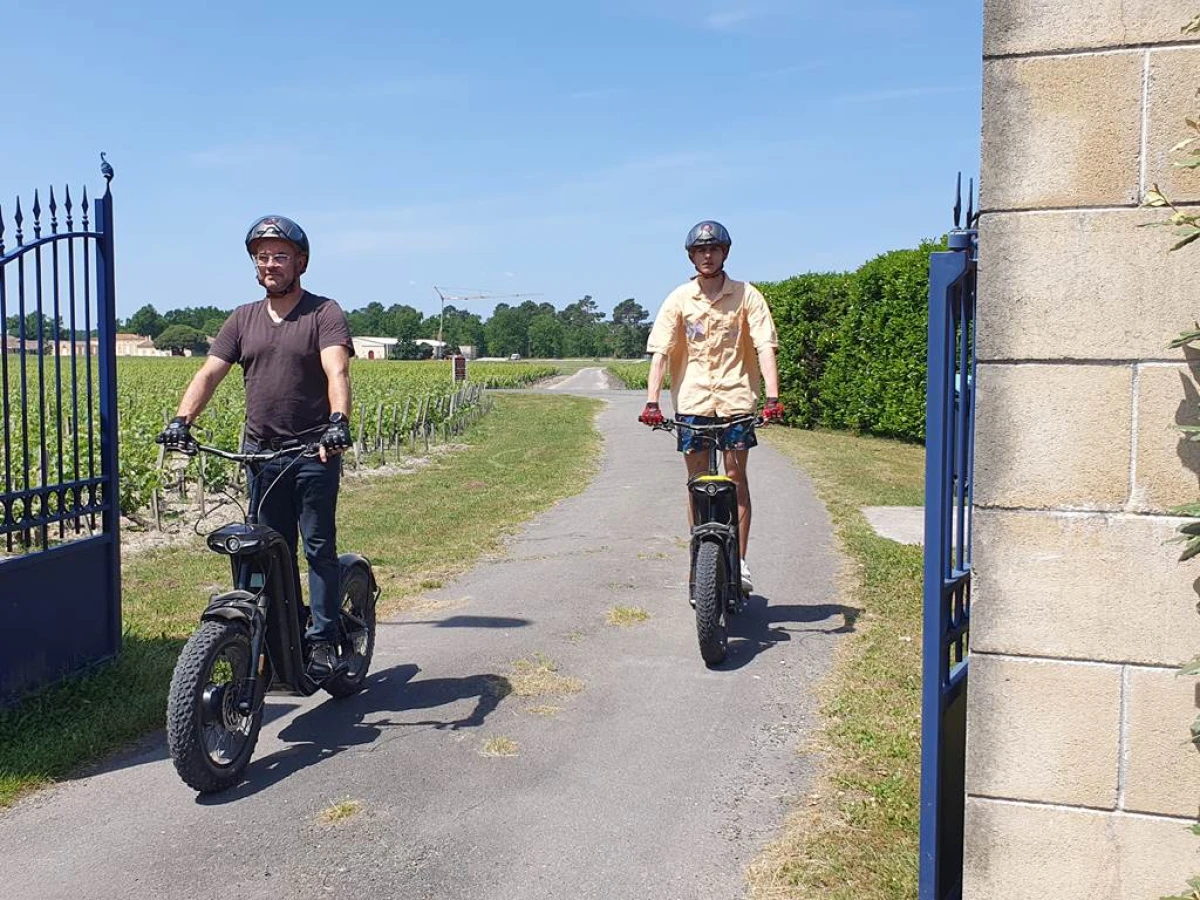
[(1080, 780)]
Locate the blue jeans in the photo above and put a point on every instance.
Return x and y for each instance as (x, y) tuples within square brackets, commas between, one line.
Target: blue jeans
[(304, 499)]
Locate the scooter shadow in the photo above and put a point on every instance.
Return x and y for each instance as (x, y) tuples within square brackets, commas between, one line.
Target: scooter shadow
[(339, 725), (761, 625)]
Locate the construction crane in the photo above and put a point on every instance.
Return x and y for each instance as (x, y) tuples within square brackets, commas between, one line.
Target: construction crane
[(459, 298)]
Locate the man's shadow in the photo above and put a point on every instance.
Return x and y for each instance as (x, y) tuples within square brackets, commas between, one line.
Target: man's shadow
[(338, 725), (762, 624)]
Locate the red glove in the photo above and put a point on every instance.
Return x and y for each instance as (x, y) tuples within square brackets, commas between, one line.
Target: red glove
[(651, 415), (772, 410)]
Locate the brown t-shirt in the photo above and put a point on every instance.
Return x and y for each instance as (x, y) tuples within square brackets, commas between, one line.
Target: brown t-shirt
[(287, 392)]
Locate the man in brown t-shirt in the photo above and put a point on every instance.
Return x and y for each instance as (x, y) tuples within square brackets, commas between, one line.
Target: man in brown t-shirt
[(294, 349)]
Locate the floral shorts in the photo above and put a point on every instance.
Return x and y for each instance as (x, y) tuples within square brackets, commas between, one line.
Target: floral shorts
[(739, 437)]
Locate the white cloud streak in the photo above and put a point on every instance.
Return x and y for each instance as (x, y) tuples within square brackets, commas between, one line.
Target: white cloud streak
[(909, 93)]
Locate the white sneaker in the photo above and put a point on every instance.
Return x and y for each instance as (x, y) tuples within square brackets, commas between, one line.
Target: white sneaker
[(747, 581)]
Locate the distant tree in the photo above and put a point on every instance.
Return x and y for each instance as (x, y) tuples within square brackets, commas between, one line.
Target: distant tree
[(146, 321), (35, 331), (406, 348), (178, 338), (403, 322), (545, 337), (507, 331), (629, 329), (629, 312), (581, 328)]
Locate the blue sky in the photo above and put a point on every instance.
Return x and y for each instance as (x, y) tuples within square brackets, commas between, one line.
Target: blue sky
[(554, 148)]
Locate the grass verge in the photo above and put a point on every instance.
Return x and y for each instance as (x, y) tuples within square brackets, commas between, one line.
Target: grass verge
[(417, 529), (857, 836)]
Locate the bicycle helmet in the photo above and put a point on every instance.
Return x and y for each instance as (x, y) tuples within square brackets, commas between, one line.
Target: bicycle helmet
[(277, 227), (706, 233)]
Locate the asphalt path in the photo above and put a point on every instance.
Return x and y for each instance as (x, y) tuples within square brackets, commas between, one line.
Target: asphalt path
[(659, 778)]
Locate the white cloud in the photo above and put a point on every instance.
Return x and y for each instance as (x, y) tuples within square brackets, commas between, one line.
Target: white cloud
[(719, 21), (902, 93), (784, 71), (391, 87), (604, 93), (249, 154), (363, 242)]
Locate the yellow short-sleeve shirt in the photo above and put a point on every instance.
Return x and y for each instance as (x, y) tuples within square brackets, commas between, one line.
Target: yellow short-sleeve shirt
[(712, 347)]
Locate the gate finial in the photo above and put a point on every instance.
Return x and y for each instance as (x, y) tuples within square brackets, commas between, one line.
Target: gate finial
[(958, 200), (105, 169), (970, 202)]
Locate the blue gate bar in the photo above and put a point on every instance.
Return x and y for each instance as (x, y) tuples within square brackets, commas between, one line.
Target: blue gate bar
[(949, 445)]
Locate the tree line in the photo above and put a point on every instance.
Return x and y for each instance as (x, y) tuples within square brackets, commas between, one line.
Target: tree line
[(531, 329)]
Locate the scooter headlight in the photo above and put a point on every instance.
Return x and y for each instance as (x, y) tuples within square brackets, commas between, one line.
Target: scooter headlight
[(710, 489), (233, 544)]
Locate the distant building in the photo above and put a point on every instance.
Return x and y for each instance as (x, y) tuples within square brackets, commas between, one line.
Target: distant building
[(136, 345), (373, 347)]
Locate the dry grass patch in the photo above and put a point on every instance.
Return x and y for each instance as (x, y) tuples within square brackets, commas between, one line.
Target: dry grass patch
[(545, 710), (627, 616), (538, 676), (499, 746), (339, 812)]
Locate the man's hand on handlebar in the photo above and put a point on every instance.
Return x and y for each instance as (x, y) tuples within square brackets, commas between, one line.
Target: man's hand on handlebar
[(178, 436), (651, 415), (336, 438), (772, 411)]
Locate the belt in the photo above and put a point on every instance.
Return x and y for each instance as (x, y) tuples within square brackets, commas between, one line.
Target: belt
[(277, 443)]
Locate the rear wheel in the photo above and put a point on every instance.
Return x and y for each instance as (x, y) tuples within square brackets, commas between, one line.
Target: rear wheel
[(708, 587), (209, 740), (358, 632)]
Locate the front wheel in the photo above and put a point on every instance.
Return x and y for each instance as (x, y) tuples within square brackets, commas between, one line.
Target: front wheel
[(209, 740), (708, 586), (358, 632)]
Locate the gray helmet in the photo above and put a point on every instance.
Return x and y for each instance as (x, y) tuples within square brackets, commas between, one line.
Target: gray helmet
[(706, 233), (277, 227)]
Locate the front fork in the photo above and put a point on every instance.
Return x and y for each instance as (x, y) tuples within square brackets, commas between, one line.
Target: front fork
[(251, 577), (258, 633)]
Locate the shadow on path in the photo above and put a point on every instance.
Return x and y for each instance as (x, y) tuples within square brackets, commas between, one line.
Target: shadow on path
[(338, 725), (762, 625), (462, 622)]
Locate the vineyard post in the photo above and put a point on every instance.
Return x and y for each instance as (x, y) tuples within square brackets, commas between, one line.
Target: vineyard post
[(200, 488)]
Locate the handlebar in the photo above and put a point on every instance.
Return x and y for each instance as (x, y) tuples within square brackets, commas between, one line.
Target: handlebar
[(672, 424), (260, 456)]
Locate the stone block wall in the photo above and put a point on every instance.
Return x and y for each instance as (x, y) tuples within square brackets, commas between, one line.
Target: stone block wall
[(1080, 780)]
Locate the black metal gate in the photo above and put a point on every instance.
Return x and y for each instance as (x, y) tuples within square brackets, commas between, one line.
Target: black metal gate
[(60, 578), (949, 454)]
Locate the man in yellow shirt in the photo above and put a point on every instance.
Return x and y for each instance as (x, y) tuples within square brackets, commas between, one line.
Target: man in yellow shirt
[(716, 338)]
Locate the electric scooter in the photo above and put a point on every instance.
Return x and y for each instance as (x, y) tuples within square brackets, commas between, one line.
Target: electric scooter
[(251, 640)]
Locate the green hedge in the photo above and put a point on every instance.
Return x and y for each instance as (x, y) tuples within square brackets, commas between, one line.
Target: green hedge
[(852, 346)]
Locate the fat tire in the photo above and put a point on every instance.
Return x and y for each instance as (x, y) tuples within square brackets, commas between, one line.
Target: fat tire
[(185, 733), (708, 585), (358, 596)]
